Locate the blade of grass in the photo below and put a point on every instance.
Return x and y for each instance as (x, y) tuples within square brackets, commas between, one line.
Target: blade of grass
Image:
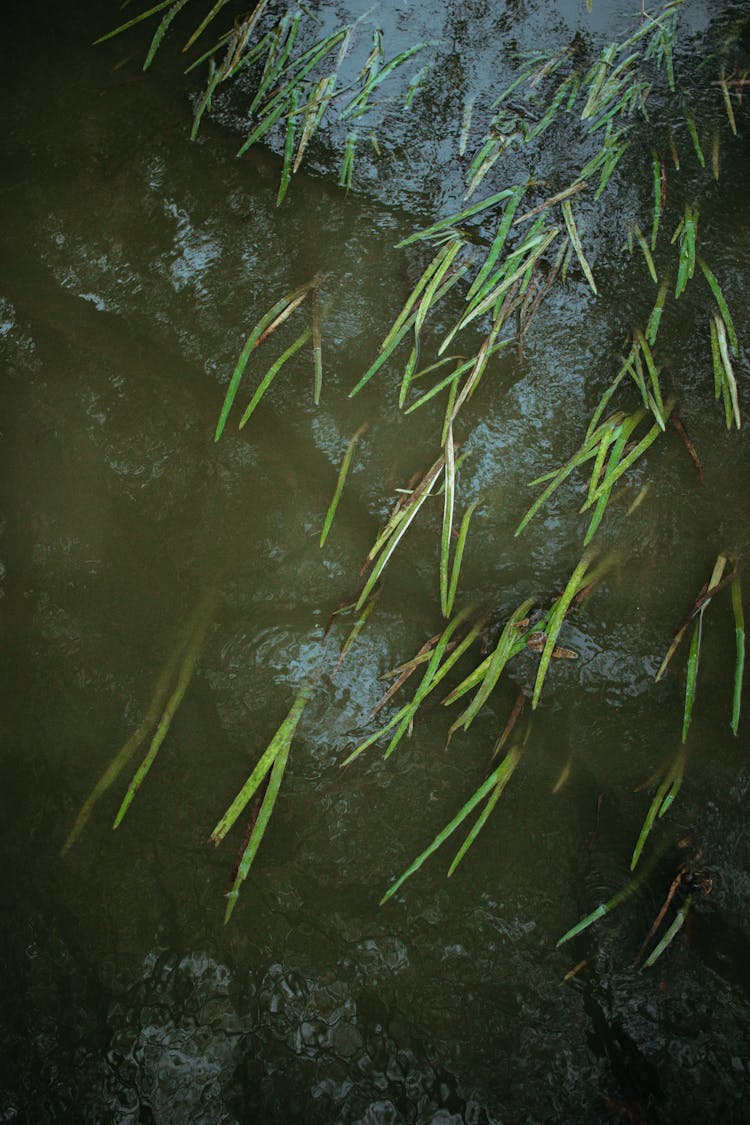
[(458, 556), (281, 739), (317, 345), (343, 470), (454, 220), (723, 307), (739, 670), (259, 828), (192, 652), (570, 224), (504, 649), (123, 756), (271, 374), (448, 506), (575, 582), (275, 316), (449, 829), (670, 935), (509, 763)]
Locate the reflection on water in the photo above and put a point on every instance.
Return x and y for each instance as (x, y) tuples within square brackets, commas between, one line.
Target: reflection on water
[(135, 265)]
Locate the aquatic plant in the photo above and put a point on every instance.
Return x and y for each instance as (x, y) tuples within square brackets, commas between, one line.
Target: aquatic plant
[(497, 264)]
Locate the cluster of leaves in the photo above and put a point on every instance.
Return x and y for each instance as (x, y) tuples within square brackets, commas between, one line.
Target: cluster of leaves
[(504, 261), (297, 83)]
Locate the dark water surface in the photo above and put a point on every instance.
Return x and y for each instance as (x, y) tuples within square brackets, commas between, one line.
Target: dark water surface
[(133, 265)]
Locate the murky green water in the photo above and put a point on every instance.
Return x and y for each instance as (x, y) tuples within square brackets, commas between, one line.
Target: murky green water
[(134, 264)]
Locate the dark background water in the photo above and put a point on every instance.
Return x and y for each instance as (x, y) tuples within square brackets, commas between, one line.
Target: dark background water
[(134, 263)]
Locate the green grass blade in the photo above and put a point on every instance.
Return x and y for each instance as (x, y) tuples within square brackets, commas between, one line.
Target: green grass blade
[(449, 829), (271, 374), (415, 503), (207, 19), (570, 224), (585, 453), (344, 469), (692, 675), (259, 828), (723, 307), (654, 320), (459, 217), (202, 620), (635, 453), (291, 130), (574, 584), (729, 377), (502, 653), (606, 908), (739, 669), (123, 756), (317, 341), (670, 935), (498, 242), (275, 316), (657, 807), (646, 254), (508, 766), (694, 137), (458, 556), (161, 31), (281, 739), (136, 19), (657, 172), (447, 531)]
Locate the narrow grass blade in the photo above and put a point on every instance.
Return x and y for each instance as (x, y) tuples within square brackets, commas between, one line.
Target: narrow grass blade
[(660, 181), (416, 501), (665, 795), (634, 454), (317, 342), (616, 900), (585, 453), (278, 744), (509, 763), (347, 164), (692, 675), (207, 19), (357, 628), (739, 669), (136, 19), (344, 469), (201, 622), (271, 374), (505, 648), (728, 103), (123, 756), (729, 379), (259, 828), (654, 320), (694, 137), (458, 556), (670, 935), (449, 829), (291, 130), (723, 307), (161, 31), (448, 505), (554, 624), (275, 316), (459, 217), (570, 224), (498, 242), (646, 254)]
